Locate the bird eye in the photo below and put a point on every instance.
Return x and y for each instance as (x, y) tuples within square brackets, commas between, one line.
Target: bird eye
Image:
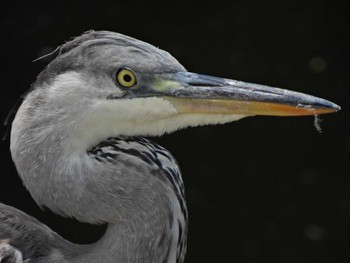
[(126, 78)]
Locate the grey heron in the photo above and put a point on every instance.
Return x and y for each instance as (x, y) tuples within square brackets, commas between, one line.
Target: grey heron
[(77, 144)]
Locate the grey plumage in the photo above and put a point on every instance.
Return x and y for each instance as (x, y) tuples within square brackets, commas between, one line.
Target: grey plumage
[(55, 183), (31, 237), (76, 144)]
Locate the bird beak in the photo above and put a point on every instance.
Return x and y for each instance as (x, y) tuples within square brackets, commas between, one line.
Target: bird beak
[(195, 93)]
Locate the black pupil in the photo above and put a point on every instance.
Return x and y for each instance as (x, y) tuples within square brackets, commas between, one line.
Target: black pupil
[(127, 78)]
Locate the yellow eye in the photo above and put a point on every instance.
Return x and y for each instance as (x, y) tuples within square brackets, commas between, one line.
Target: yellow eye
[(126, 78)]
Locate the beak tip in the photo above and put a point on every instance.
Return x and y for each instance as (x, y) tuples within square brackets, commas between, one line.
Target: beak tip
[(337, 107), (334, 107), (326, 106)]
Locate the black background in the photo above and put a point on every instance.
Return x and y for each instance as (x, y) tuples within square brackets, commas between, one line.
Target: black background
[(264, 189)]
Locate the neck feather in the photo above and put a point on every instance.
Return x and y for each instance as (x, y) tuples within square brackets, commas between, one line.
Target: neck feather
[(129, 186), (142, 240), (135, 187)]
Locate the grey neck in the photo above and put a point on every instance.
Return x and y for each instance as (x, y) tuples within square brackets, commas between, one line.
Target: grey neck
[(121, 183), (139, 241), (134, 198)]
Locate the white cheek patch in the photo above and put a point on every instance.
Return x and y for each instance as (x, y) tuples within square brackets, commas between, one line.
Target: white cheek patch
[(112, 118), (143, 109)]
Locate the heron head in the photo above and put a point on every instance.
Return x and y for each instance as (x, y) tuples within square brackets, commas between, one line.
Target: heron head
[(106, 84)]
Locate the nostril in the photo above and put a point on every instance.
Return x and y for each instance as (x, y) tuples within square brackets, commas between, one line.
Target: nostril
[(201, 84)]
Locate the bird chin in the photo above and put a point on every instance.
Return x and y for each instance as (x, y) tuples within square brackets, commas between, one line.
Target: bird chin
[(184, 120)]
